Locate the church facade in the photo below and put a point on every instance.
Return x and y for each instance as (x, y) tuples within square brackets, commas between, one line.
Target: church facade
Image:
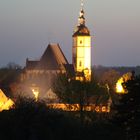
[(53, 61)]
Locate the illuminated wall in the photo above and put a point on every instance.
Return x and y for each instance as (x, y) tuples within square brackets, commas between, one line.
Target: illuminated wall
[(82, 55)]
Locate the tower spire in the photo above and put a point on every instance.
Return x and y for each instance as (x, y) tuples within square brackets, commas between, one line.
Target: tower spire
[(81, 19), (82, 4)]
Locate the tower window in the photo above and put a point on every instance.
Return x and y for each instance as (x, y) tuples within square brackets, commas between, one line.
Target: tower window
[(80, 64), (80, 41)]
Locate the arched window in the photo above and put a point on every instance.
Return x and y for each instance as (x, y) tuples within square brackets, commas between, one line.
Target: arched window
[(80, 64)]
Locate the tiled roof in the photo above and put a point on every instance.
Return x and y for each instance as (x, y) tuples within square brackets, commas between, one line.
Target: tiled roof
[(31, 64), (52, 59)]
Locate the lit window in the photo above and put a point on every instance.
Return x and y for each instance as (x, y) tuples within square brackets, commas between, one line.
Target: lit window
[(80, 64)]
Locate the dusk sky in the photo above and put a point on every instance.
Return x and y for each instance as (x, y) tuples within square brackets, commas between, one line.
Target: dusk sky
[(28, 26)]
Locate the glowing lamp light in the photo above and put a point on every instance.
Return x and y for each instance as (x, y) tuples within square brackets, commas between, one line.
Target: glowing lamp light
[(36, 93)]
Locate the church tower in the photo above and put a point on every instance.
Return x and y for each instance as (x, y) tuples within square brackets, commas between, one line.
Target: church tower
[(81, 51)]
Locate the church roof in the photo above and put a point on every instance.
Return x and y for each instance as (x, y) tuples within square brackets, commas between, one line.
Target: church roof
[(31, 64), (52, 59)]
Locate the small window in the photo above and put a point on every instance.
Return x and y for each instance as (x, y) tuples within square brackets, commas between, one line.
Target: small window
[(80, 41), (80, 64)]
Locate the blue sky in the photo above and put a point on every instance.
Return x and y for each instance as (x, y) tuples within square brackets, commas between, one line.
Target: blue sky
[(27, 26)]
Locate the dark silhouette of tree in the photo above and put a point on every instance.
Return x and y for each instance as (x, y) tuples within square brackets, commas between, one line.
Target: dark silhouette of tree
[(128, 110), (81, 93), (110, 77), (31, 120), (75, 91), (8, 75)]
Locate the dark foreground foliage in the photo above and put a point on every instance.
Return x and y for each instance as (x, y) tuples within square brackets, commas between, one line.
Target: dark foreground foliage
[(128, 110), (31, 120)]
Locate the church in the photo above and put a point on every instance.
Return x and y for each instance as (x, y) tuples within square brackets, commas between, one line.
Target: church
[(53, 60)]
